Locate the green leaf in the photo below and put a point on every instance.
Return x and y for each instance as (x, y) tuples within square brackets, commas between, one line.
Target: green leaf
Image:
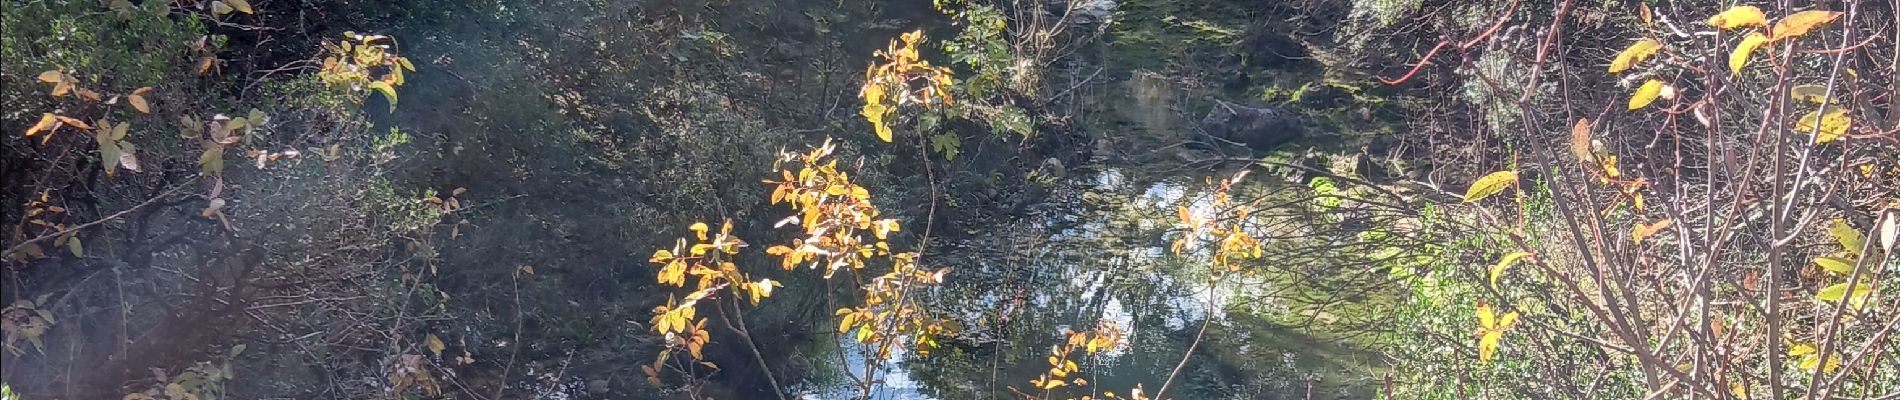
[(390, 93), (74, 246), (242, 6), (220, 8), (1503, 264), (947, 144), (1835, 264), (1490, 185)]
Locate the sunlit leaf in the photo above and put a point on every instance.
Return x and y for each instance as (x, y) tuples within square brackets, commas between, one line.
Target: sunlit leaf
[(1490, 185), (387, 91), (1835, 264), (1739, 58), (243, 6), (1488, 345), (1644, 231), (1634, 54), (1850, 239), (699, 228), (435, 345), (52, 76), (1503, 264), (47, 121), (1836, 292), (1798, 24), (1816, 94), (221, 8), (1739, 17), (1825, 128), (1646, 94)]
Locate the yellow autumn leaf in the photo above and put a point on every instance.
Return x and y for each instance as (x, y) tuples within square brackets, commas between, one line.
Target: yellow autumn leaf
[(1052, 384), (1838, 292), (1739, 58), (1849, 238), (883, 131), (1825, 128), (1497, 271), (1739, 17), (388, 92), (1646, 94), (1491, 330), (1644, 231), (1635, 54), (1798, 24), (435, 345), (47, 121), (1816, 94), (1835, 264), (699, 228), (1490, 185)]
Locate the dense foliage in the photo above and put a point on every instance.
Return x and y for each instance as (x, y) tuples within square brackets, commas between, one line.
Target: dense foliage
[(949, 199)]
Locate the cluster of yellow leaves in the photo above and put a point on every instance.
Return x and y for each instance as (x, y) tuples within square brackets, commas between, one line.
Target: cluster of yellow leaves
[(1807, 357), (903, 78), (46, 217), (835, 215), (1843, 263), (1491, 328), (1062, 367), (114, 151), (708, 260), (65, 84), (841, 228), (1735, 18), (1233, 243), (833, 211), (1745, 17), (890, 313), (356, 61)]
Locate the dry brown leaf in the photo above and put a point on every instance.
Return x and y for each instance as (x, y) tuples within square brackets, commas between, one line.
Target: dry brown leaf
[(1580, 142)]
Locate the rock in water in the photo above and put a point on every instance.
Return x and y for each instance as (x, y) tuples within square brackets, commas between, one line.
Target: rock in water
[(1259, 128)]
